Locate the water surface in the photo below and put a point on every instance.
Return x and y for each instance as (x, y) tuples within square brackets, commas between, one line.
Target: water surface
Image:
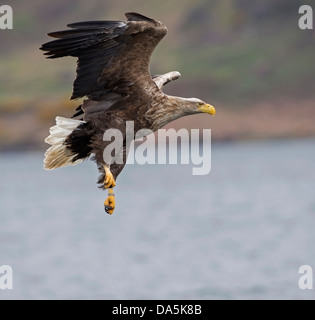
[(240, 232)]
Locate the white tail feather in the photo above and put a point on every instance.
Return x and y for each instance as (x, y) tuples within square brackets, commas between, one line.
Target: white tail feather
[(58, 155)]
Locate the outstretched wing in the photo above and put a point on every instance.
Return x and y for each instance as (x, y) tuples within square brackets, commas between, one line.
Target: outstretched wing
[(112, 55)]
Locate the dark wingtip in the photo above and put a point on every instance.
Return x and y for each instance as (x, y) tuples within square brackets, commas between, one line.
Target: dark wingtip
[(134, 16), (52, 34)]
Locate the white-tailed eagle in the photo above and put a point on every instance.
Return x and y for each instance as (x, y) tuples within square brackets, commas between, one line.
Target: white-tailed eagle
[(113, 75)]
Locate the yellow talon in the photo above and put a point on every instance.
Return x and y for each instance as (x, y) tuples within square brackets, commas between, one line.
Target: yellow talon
[(110, 202), (109, 179)]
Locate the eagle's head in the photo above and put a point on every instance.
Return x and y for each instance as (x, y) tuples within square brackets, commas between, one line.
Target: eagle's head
[(195, 105)]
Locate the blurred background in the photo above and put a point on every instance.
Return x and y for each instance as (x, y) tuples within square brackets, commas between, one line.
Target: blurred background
[(240, 232), (248, 58)]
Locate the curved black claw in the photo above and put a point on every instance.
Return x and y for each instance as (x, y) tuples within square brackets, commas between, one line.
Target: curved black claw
[(107, 208)]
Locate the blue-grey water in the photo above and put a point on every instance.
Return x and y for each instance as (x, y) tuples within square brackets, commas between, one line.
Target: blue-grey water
[(241, 232)]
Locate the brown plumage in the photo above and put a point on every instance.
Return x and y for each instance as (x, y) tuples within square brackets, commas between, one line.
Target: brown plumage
[(113, 74)]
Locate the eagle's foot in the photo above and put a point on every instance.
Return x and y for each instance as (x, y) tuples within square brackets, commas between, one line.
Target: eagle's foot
[(109, 204), (109, 181)]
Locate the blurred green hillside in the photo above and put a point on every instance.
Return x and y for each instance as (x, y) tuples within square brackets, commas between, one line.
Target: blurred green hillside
[(232, 52)]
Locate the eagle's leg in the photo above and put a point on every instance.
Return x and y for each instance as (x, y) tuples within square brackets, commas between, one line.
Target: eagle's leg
[(109, 183)]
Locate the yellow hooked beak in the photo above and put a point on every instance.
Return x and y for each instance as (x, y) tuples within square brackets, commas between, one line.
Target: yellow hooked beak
[(207, 108)]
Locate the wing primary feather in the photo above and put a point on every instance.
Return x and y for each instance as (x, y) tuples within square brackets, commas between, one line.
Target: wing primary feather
[(73, 33), (97, 24), (133, 16)]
